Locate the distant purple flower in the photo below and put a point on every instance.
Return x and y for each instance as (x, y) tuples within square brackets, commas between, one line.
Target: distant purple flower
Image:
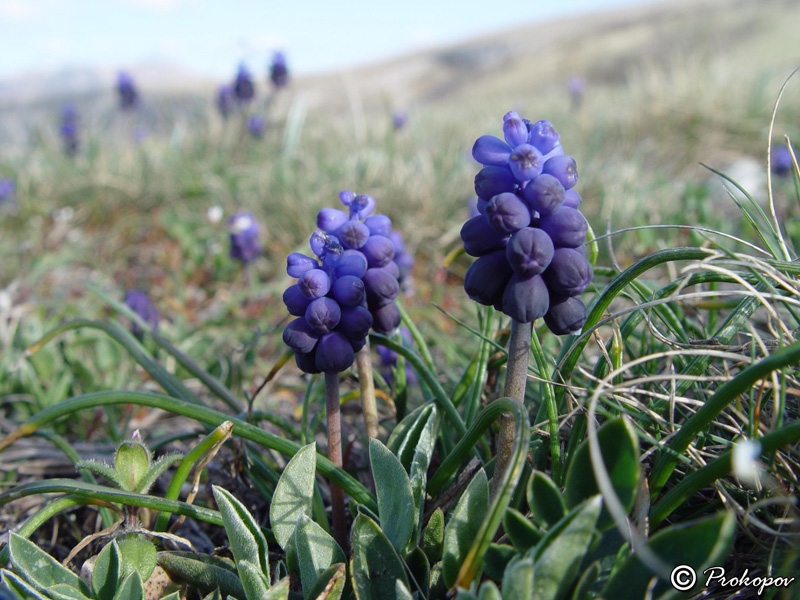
[(7, 190), (128, 96), (244, 232), (141, 304), (399, 119), (278, 71), (781, 161), (404, 261), (389, 359), (576, 87), (243, 85), (256, 125), (225, 100), (69, 128)]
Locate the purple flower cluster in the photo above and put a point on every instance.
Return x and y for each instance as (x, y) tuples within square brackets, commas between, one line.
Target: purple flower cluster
[(69, 128), (529, 234), (256, 124), (226, 100), (244, 231), (781, 161), (389, 360), (128, 96), (347, 289), (7, 189), (278, 71), (404, 261), (141, 304), (243, 87)]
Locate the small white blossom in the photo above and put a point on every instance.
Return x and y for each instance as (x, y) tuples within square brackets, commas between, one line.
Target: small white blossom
[(214, 214), (744, 460)]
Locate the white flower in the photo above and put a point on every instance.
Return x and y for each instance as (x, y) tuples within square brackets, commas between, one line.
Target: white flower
[(744, 460), (214, 214)]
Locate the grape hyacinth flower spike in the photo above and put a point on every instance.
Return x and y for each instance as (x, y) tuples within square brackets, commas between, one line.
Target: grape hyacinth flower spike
[(8, 194), (128, 96), (225, 100), (69, 129), (278, 71), (781, 163), (243, 87), (256, 125), (528, 239), (245, 242), (140, 303)]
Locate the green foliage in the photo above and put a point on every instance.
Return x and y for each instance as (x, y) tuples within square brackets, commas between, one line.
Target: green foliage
[(375, 567), (293, 494), (463, 525), (397, 510)]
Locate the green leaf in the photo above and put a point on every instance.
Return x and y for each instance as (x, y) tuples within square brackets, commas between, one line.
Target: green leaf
[(489, 591), (405, 435), (293, 494), (587, 579), (420, 569), (205, 572), (463, 526), (396, 510), (20, 586), (215, 595), (63, 591), (330, 584), (497, 558), (131, 462), (518, 580), (465, 595), (279, 591), (697, 544), (107, 572), (522, 533), (375, 565), (433, 537), (619, 446), (40, 569), (546, 502), (401, 591), (556, 565), (138, 554), (156, 470), (423, 452), (177, 596), (316, 552), (132, 588), (247, 544)]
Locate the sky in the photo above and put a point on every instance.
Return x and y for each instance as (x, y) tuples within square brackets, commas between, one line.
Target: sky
[(211, 37)]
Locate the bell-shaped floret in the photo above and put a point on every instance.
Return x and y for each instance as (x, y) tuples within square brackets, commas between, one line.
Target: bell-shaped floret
[(525, 298), (379, 250), (299, 336), (296, 302), (330, 219), (491, 150), (353, 234), (567, 227), (386, 318), (529, 251), (378, 224), (544, 194), (566, 315), (297, 264), (323, 314), (514, 130), (486, 278), (361, 206), (480, 238), (562, 168), (569, 272), (353, 263), (355, 322), (492, 180), (314, 283), (307, 362), (544, 137), (506, 213), (348, 290), (572, 199), (334, 353), (525, 162), (381, 286)]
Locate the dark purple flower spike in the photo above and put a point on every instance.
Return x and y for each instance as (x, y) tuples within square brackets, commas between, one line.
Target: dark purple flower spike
[(128, 95), (244, 233), (278, 71), (140, 303)]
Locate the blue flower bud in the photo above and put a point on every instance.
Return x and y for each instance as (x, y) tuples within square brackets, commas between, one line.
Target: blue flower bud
[(244, 236), (562, 168), (544, 194), (355, 322), (353, 234), (330, 219), (348, 290), (333, 353), (296, 303), (299, 336), (297, 264), (529, 251), (514, 130), (314, 283), (393, 268), (480, 238), (386, 318), (487, 277), (781, 161), (569, 272), (567, 227), (566, 315), (572, 199), (307, 362), (256, 125), (353, 263), (323, 314), (381, 286), (491, 181), (140, 303), (361, 206), (358, 344), (525, 162), (525, 298), (332, 252), (243, 85), (491, 150), (128, 96), (544, 137), (506, 213), (318, 241), (378, 224), (379, 250), (225, 100), (278, 71)]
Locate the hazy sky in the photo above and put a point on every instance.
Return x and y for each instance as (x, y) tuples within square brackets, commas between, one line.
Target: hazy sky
[(212, 36)]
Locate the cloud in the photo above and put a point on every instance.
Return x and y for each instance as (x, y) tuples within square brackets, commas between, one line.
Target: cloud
[(21, 10), (157, 4)]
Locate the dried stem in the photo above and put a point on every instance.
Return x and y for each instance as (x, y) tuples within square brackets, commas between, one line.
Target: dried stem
[(334, 419), (368, 405)]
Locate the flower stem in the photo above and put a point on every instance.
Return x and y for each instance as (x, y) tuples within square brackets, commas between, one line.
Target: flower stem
[(334, 418), (368, 405), (519, 347)]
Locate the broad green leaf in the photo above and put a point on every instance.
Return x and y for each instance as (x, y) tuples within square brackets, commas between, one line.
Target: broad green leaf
[(247, 544), (420, 569), (518, 580), (293, 494), (279, 591), (206, 573), (461, 531), (546, 502), (697, 544), (433, 536), (132, 461), (418, 474), (619, 446), (131, 588), (316, 552), (401, 591), (396, 510), (465, 595), (437, 588), (497, 558), (64, 591), (330, 584), (20, 586), (556, 567), (40, 569), (215, 595), (177, 596), (138, 553), (405, 435), (375, 565), (522, 533), (107, 572), (489, 591), (587, 579)]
